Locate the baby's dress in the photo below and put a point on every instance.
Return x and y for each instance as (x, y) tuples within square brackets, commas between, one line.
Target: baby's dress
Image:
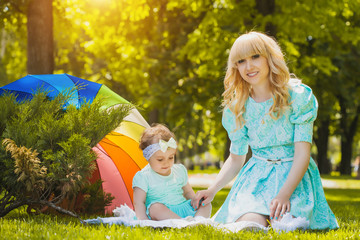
[(259, 181), (165, 189)]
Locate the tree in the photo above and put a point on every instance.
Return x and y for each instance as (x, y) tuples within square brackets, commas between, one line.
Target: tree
[(138, 46), (40, 47), (315, 40), (12, 43), (46, 153), (169, 57), (39, 22), (349, 104)]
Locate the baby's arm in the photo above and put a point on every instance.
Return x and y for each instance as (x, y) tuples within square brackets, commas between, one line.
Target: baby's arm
[(139, 203), (188, 191)]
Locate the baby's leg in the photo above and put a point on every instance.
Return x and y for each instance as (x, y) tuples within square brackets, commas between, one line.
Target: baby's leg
[(204, 211), (254, 217), (158, 211)]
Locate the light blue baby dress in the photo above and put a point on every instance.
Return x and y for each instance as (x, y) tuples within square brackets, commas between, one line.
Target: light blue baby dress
[(259, 181), (167, 190)]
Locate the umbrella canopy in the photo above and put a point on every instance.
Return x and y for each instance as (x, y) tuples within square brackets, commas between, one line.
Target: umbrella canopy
[(119, 156)]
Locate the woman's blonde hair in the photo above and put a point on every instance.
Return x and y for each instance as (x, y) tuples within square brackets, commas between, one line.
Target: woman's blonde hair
[(237, 90)]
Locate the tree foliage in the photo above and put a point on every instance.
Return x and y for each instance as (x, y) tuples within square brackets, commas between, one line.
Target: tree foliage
[(12, 42), (169, 57), (46, 153)]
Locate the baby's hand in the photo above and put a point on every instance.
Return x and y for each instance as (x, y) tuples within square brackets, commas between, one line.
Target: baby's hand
[(278, 207)]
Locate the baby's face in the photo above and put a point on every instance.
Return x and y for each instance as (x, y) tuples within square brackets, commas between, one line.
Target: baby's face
[(161, 162)]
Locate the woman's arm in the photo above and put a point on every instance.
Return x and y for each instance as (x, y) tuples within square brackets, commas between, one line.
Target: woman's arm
[(139, 203), (231, 168), (281, 203)]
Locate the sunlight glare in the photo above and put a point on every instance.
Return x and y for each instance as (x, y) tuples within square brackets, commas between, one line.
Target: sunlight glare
[(100, 2)]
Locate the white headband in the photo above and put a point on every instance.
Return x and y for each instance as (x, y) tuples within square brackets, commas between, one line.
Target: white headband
[(162, 145)]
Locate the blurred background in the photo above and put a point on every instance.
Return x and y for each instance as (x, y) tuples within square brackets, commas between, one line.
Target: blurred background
[(168, 57)]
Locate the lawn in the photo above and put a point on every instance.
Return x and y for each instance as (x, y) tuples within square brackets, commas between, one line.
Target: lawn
[(344, 200)]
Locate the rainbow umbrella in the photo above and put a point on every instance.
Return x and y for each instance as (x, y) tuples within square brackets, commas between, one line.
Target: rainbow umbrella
[(119, 156)]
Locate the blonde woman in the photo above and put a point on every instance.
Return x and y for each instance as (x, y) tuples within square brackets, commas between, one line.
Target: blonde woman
[(266, 109)]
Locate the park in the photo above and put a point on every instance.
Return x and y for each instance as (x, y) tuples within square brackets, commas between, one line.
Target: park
[(80, 80)]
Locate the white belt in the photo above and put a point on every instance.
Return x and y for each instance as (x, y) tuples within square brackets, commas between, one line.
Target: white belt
[(274, 161)]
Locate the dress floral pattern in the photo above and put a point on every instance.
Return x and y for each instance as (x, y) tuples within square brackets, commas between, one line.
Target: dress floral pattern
[(259, 181)]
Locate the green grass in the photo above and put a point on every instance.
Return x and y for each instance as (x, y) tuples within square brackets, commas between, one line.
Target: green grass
[(344, 201)]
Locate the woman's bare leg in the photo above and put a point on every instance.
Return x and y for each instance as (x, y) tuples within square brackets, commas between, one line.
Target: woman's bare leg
[(254, 217)]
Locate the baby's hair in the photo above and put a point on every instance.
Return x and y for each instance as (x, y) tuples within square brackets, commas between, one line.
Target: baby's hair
[(154, 133)]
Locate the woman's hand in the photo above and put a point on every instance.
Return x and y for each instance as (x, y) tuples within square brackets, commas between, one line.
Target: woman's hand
[(281, 204), (278, 207), (229, 170), (203, 197)]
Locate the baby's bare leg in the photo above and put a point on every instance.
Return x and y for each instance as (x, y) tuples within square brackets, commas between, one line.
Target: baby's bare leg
[(254, 217), (204, 211), (158, 211)]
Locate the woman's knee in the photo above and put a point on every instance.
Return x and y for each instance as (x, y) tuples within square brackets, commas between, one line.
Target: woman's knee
[(254, 217)]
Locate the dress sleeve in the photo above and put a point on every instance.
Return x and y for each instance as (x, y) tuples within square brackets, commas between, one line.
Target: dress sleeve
[(304, 112), (238, 136), (140, 181)]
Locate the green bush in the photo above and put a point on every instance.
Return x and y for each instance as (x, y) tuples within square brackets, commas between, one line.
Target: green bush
[(46, 153), (95, 199)]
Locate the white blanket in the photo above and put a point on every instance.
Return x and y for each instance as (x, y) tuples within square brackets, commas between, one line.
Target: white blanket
[(127, 217)]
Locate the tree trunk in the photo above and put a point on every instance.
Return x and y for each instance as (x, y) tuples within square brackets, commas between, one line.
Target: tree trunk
[(266, 7), (358, 170), (40, 46), (321, 142), (154, 116), (348, 126), (346, 150)]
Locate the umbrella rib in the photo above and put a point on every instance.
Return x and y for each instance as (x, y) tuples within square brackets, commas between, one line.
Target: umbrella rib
[(84, 85), (109, 142), (9, 90), (126, 188), (78, 86), (103, 151), (35, 76)]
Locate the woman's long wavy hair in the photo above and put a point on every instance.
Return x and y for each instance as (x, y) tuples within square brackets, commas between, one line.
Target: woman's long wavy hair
[(237, 90)]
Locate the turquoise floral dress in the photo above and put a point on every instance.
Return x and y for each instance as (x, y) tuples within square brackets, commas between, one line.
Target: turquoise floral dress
[(259, 181)]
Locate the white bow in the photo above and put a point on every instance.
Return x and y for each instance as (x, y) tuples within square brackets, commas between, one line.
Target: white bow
[(277, 161), (169, 144)]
